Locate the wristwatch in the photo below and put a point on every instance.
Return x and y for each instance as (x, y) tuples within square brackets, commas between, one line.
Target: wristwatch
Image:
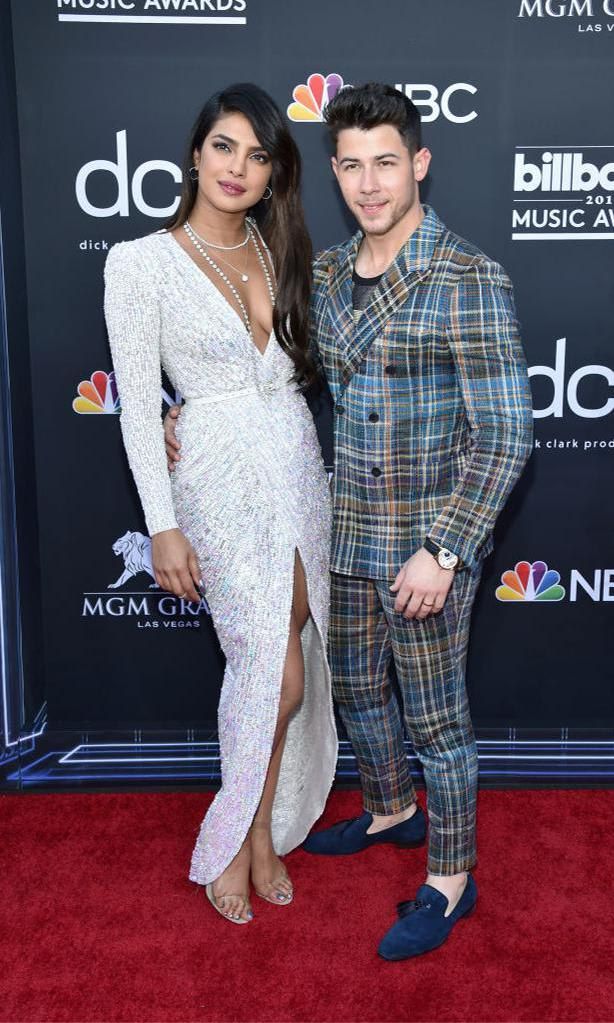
[(445, 558)]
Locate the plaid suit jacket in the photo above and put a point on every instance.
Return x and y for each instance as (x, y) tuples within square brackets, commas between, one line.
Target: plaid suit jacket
[(433, 412)]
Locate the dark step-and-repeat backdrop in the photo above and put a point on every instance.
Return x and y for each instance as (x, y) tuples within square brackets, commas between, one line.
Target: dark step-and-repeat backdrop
[(516, 98)]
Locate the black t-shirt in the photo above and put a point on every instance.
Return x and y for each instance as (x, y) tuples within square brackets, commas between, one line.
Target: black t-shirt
[(363, 286)]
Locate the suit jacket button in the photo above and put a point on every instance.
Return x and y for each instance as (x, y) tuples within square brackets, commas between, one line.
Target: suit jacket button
[(374, 418), (390, 370), (340, 409), (375, 471)]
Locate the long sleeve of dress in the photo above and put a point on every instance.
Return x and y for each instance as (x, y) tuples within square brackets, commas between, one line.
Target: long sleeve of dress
[(133, 322)]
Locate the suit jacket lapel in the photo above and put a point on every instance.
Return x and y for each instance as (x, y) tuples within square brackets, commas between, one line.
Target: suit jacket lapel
[(411, 266), (391, 293), (340, 294)]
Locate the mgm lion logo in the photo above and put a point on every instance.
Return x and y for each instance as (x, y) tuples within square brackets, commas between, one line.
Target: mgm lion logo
[(135, 549)]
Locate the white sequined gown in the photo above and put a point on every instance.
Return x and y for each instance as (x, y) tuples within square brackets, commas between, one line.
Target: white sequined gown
[(249, 491)]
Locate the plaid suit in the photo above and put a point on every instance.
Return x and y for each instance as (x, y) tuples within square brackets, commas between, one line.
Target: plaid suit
[(432, 428)]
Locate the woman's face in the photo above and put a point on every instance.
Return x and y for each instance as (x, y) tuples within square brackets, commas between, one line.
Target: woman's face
[(233, 168)]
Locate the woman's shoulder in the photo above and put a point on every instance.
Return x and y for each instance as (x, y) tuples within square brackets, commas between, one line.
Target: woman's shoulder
[(139, 256)]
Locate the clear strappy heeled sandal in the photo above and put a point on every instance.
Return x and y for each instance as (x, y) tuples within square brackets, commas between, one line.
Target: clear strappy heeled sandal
[(213, 901)]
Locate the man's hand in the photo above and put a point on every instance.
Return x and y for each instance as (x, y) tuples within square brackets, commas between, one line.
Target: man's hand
[(175, 564), (421, 586), (170, 440)]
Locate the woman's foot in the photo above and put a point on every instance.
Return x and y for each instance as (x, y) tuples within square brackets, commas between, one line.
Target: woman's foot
[(269, 876), (230, 891)]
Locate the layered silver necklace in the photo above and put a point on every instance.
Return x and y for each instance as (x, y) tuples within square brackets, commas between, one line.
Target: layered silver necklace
[(227, 248), (251, 231), (215, 245)]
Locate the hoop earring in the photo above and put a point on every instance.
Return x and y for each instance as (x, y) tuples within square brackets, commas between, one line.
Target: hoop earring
[(270, 190), (193, 177)]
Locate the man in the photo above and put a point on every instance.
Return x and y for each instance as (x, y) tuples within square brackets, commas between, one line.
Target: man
[(416, 332), (417, 335)]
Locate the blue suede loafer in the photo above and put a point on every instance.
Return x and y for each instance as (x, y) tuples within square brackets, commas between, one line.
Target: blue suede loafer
[(351, 836), (423, 925)]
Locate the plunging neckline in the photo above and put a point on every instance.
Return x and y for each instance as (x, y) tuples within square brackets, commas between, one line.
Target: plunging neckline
[(204, 276)]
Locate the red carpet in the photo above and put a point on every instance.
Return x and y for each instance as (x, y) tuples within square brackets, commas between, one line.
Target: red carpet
[(100, 924)]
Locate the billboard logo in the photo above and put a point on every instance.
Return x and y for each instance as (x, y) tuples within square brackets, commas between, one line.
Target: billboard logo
[(563, 194), (562, 172), (310, 99), (98, 395), (530, 582)]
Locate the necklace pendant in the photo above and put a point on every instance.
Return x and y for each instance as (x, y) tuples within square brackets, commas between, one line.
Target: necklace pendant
[(244, 278)]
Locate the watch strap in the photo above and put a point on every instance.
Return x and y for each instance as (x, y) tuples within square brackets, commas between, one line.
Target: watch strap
[(432, 547)]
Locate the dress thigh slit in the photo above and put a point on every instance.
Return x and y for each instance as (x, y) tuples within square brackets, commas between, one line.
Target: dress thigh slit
[(255, 642)]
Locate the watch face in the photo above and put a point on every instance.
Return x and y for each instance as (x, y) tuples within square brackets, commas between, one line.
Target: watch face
[(447, 559)]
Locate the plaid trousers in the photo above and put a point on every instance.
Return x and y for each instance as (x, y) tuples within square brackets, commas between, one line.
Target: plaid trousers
[(429, 657)]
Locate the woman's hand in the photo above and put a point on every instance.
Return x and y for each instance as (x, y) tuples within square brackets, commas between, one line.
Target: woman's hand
[(170, 440), (175, 564)]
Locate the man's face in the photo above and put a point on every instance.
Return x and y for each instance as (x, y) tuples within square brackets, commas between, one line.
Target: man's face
[(378, 177)]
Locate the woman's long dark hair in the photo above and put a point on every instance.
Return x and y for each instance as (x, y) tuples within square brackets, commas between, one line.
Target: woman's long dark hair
[(280, 219)]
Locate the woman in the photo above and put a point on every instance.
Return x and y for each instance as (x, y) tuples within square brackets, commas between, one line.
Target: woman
[(248, 505)]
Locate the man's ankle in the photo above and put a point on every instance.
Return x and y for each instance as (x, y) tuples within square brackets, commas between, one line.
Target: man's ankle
[(381, 822), (450, 885)]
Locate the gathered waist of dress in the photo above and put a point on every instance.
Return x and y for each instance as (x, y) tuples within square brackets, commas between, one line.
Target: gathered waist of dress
[(265, 389)]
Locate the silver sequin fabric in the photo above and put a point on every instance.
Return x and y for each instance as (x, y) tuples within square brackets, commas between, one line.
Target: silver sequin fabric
[(249, 492)]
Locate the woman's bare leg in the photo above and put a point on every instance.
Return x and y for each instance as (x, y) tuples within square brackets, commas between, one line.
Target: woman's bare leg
[(268, 872)]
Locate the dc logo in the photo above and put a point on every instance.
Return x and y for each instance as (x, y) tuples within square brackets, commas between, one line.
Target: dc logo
[(126, 186)]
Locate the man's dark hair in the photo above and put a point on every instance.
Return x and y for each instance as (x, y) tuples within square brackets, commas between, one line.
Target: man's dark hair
[(367, 106)]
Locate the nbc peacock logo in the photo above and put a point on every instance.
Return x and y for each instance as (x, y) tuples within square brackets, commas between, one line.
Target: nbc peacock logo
[(530, 582), (98, 395), (311, 98)]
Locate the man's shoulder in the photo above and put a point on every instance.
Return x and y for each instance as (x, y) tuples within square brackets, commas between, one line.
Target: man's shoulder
[(456, 256)]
